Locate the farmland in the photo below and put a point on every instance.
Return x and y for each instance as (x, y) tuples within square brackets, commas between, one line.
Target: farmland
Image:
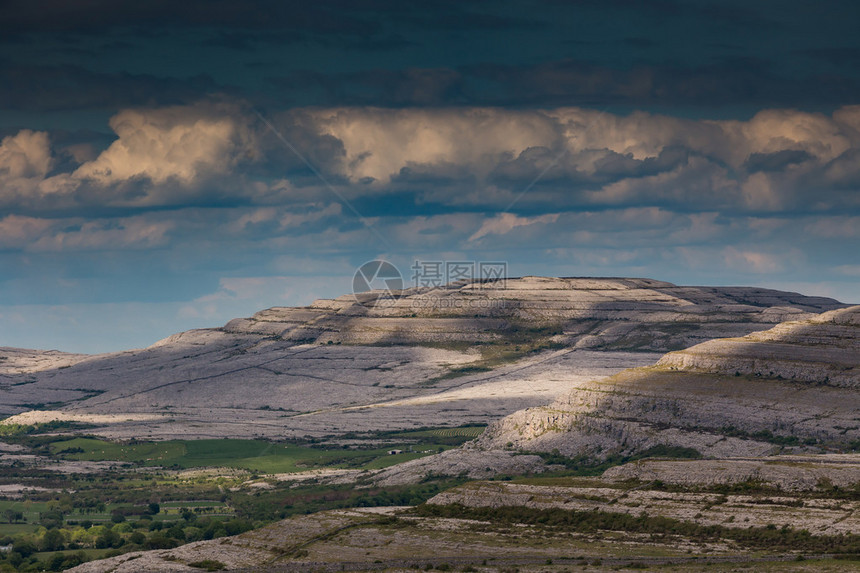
[(57, 512)]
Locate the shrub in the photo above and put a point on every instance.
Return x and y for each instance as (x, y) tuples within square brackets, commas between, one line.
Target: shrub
[(137, 538), (52, 541), (24, 548)]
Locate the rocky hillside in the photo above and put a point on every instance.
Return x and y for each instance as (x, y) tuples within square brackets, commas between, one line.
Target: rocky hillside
[(466, 352), (795, 385), (582, 312)]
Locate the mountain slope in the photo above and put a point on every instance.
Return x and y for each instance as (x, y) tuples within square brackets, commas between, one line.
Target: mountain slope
[(466, 352), (795, 384)]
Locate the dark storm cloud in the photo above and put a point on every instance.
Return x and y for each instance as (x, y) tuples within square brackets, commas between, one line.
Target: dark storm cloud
[(752, 16), (72, 87), (743, 81), (254, 41), (840, 56), (408, 87), (386, 53), (95, 16), (466, 16), (640, 43), (308, 18)]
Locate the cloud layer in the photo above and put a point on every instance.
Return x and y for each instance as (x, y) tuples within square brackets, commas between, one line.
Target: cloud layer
[(562, 159), (518, 168)]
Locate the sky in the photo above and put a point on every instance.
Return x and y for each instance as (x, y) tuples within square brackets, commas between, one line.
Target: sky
[(172, 165)]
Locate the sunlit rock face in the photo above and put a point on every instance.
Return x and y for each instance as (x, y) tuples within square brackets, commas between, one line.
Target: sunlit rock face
[(793, 386)]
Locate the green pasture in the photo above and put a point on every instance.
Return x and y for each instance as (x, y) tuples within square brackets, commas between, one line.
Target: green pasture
[(30, 510), (258, 455), (254, 455)]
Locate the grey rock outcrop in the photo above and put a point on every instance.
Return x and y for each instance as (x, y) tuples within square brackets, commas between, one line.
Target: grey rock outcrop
[(793, 385), (788, 473)]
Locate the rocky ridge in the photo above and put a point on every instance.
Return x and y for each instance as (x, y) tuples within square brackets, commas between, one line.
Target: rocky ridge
[(466, 352)]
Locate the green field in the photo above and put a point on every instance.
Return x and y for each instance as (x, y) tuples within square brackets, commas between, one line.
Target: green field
[(30, 509), (258, 455), (254, 455)]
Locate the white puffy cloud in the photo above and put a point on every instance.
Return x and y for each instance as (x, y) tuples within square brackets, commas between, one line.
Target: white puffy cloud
[(25, 161), (181, 143), (766, 163), (160, 157), (381, 142), (26, 155), (772, 131), (566, 157), (641, 135)]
